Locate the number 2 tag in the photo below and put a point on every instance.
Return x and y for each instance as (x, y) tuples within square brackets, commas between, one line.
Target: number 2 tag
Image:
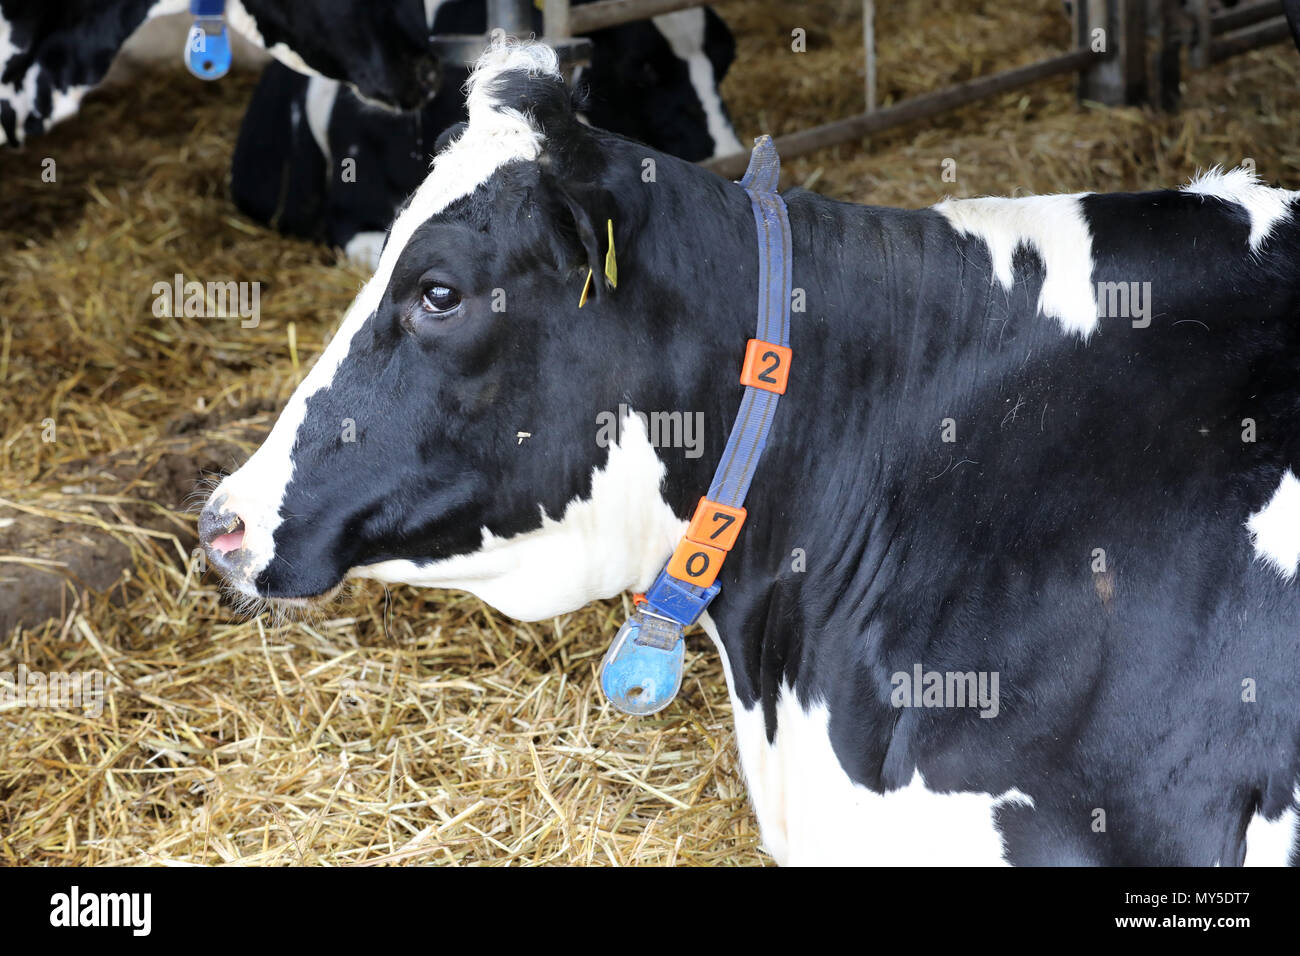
[(767, 366)]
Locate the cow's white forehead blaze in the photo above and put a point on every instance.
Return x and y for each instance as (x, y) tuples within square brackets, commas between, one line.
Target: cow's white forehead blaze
[(494, 136)]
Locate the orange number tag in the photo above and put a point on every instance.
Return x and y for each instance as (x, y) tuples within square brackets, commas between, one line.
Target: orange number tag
[(716, 524), (767, 366), (696, 563)]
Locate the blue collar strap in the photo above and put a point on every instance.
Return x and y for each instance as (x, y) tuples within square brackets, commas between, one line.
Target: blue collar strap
[(642, 670), (207, 47)]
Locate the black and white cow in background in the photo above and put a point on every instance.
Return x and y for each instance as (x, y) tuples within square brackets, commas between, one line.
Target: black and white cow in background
[(1018, 580), (653, 80), (53, 52)]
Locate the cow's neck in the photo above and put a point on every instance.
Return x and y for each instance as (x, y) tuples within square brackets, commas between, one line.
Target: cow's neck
[(884, 341), (870, 364)]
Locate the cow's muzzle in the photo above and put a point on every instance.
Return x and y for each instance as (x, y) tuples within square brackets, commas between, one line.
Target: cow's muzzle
[(237, 538)]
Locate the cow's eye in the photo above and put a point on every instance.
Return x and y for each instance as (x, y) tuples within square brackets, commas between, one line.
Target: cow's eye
[(439, 299)]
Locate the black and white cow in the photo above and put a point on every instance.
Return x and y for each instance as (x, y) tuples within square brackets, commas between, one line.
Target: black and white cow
[(53, 53), (653, 80), (1036, 455)]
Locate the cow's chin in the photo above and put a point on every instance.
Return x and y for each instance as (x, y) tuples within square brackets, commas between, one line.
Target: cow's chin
[(251, 602), (310, 601)]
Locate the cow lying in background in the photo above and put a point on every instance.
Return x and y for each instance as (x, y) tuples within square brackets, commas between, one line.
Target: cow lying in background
[(314, 161), (988, 463), (53, 53)]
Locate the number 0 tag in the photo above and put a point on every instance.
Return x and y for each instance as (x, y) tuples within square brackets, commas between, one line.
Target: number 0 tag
[(696, 563)]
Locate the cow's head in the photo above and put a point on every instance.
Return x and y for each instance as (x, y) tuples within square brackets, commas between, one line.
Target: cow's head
[(380, 49), (469, 426)]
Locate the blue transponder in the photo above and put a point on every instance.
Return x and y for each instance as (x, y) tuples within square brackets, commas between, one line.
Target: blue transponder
[(682, 602), (207, 46), (642, 670)]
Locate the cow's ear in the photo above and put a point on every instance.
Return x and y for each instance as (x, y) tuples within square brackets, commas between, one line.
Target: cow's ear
[(595, 224)]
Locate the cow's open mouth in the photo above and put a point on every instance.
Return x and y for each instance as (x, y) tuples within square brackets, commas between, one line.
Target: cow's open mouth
[(231, 538)]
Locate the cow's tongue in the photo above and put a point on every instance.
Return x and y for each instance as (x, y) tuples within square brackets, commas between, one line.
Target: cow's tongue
[(228, 542)]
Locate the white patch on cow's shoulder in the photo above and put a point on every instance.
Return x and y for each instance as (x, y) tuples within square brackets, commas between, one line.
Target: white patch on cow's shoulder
[(1054, 228), (684, 31), (494, 136), (811, 813), (613, 541), (1272, 842), (1265, 205), (1275, 528)]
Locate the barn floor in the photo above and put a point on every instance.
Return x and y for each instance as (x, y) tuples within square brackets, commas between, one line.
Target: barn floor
[(407, 726)]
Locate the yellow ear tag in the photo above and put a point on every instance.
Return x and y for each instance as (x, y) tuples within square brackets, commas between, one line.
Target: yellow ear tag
[(586, 288), (611, 264)]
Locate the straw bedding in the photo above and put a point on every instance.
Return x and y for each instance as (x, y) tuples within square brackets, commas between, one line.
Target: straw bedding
[(407, 726)]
